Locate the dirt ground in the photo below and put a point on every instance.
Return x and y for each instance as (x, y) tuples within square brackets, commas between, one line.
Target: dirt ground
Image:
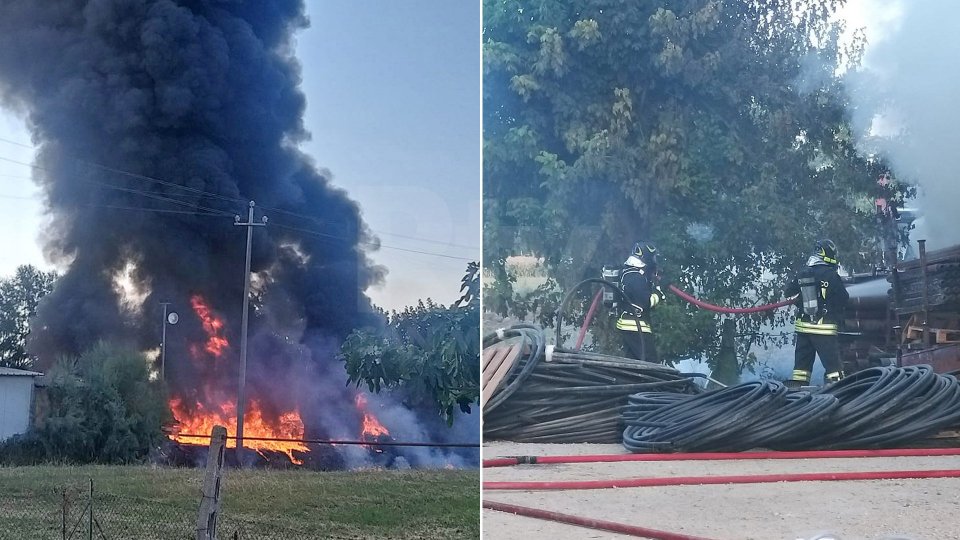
[(924, 509)]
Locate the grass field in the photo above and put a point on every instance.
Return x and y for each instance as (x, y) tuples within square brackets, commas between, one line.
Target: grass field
[(161, 503)]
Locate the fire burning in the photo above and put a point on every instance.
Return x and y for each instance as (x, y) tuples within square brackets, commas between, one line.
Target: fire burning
[(212, 325), (201, 422), (372, 428)]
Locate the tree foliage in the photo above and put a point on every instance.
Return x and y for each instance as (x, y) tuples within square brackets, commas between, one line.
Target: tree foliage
[(717, 129), (19, 296), (428, 351), (98, 408)]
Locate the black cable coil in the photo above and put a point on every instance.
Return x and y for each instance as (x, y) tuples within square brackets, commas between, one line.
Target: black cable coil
[(575, 397), (878, 407)]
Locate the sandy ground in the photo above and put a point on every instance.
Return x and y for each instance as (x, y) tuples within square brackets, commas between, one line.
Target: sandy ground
[(847, 510)]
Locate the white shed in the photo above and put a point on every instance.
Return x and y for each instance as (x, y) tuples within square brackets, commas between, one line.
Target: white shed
[(16, 400)]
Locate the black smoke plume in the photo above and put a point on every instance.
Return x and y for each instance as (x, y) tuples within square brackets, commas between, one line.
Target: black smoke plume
[(155, 122)]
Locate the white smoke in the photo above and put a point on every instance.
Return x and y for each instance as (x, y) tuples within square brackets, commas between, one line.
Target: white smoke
[(904, 100)]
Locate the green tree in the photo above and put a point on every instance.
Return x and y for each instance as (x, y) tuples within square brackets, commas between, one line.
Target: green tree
[(19, 296), (99, 408), (429, 352), (717, 129)]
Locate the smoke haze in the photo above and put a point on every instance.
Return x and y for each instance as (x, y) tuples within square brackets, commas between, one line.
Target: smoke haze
[(906, 99)]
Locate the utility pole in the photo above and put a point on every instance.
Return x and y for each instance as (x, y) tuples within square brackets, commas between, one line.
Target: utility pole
[(243, 324)]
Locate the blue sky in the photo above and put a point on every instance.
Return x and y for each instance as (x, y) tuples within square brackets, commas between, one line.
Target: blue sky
[(393, 103)]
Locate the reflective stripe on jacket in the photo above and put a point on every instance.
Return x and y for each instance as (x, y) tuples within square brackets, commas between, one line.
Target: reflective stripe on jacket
[(819, 328), (633, 325)]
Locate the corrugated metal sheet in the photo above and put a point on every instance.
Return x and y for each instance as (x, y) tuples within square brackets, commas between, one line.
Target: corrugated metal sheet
[(16, 399), (11, 372)]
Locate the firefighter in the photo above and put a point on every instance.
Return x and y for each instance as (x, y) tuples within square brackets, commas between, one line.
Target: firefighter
[(639, 280), (821, 300)]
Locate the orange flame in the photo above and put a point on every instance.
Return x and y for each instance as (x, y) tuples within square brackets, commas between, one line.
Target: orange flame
[(371, 426), (289, 426), (212, 325)]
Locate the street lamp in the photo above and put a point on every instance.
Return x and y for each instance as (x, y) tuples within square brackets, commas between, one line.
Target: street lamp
[(168, 318)]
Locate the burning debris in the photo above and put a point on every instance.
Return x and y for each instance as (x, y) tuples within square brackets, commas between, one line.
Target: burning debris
[(156, 123), (373, 430)]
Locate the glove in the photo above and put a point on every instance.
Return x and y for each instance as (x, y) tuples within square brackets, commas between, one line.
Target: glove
[(656, 296)]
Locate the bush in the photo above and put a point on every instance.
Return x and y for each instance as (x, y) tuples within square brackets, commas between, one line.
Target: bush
[(101, 408)]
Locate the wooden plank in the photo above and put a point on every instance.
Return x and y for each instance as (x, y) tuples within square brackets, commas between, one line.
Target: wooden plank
[(490, 354), (500, 373), (497, 356)]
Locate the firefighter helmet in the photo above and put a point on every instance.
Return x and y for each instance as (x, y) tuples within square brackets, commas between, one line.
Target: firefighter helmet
[(826, 250), (643, 254)]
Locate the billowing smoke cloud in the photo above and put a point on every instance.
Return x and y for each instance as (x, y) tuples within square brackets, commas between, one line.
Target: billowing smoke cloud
[(200, 100), (907, 96)]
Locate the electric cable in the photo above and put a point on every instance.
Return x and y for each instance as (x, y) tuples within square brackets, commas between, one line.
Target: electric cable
[(576, 396), (880, 407)]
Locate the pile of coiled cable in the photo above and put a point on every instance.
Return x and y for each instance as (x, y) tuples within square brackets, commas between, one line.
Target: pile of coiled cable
[(576, 396), (874, 408)]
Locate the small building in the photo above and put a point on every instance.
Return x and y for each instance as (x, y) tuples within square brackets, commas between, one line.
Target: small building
[(16, 400)]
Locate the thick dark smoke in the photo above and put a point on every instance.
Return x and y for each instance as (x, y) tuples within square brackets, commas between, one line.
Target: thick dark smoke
[(202, 96)]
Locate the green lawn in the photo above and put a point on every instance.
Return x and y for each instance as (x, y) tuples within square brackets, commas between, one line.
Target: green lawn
[(162, 503)]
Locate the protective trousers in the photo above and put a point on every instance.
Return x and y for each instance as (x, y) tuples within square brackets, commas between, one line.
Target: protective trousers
[(809, 346), (640, 345)]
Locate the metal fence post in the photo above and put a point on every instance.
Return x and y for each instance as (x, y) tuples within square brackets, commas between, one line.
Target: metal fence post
[(210, 502), (90, 523), (63, 516)]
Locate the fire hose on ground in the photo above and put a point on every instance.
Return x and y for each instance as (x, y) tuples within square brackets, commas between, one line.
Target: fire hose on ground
[(645, 532)]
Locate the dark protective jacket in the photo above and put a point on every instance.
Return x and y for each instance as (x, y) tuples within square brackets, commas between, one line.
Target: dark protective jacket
[(826, 299), (642, 296)]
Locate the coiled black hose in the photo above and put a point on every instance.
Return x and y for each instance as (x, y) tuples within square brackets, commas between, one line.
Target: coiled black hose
[(874, 408), (575, 397)]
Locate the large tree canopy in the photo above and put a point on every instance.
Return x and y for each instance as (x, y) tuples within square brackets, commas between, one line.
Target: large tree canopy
[(429, 352), (19, 296), (717, 129)]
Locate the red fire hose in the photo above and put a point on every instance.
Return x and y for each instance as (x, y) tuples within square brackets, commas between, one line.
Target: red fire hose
[(721, 309), (701, 480), (611, 526), (705, 480), (689, 298), (718, 456), (588, 318)]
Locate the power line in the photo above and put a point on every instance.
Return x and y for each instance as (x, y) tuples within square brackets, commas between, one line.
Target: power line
[(126, 189), (374, 244), (226, 198), (225, 213), (344, 442), (30, 146), (157, 210)]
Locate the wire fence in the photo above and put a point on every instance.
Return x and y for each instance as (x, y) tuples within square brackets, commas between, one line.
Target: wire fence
[(84, 512)]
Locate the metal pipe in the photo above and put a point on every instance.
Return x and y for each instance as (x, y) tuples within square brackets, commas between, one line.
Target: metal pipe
[(926, 306)]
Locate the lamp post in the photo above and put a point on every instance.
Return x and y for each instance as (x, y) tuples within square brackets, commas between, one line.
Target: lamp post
[(168, 318)]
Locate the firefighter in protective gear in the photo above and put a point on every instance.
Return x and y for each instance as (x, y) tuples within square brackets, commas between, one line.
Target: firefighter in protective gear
[(639, 280), (821, 300)]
